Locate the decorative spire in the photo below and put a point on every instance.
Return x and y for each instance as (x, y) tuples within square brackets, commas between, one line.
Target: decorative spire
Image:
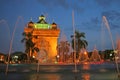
[(31, 19), (42, 20), (42, 17), (53, 20)]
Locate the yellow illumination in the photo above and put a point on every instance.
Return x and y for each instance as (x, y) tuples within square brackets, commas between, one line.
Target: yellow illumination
[(85, 53)]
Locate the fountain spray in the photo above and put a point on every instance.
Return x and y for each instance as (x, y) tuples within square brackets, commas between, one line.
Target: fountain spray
[(11, 43), (115, 52)]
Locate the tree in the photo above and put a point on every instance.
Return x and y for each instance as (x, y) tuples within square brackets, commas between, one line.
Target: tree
[(18, 57), (29, 44), (80, 42)]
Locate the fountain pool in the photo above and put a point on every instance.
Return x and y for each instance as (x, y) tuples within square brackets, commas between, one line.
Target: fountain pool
[(104, 71)]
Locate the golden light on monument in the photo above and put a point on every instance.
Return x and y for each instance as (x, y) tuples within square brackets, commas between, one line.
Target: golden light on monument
[(46, 37)]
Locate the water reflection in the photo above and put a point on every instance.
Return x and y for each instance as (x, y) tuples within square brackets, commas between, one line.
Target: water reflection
[(86, 72), (45, 77), (86, 66), (86, 76)]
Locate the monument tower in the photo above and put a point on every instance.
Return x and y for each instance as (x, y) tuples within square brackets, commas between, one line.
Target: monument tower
[(46, 38)]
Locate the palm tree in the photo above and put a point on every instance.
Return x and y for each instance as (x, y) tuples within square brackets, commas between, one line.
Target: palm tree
[(29, 44), (80, 42)]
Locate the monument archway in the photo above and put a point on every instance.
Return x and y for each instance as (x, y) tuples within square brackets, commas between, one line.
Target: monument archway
[(46, 36)]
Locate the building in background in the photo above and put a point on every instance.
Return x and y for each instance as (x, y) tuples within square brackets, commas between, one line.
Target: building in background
[(2, 58)]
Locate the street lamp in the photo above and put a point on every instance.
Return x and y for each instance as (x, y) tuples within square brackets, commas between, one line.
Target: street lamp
[(58, 58)]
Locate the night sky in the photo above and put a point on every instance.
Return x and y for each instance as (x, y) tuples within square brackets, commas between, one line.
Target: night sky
[(87, 17)]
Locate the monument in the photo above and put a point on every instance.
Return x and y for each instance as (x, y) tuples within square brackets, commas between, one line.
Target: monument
[(46, 38)]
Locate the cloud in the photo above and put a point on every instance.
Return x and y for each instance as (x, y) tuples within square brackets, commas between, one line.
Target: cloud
[(95, 20), (77, 8), (53, 4), (112, 14), (107, 3), (92, 24), (104, 2), (113, 18), (5, 2)]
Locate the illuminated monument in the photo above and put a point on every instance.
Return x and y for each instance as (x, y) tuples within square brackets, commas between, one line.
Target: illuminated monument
[(46, 38)]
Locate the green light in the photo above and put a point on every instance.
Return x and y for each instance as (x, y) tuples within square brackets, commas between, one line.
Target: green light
[(43, 26)]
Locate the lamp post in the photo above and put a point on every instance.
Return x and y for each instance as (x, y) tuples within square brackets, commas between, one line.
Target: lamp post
[(58, 58)]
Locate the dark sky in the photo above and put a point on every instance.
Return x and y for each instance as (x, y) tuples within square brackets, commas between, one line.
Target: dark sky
[(87, 17)]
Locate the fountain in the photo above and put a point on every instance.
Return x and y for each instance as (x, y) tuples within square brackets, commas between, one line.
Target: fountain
[(105, 22), (118, 50), (55, 72), (75, 60), (95, 56), (74, 43), (83, 55), (42, 56), (63, 37), (11, 44), (64, 50)]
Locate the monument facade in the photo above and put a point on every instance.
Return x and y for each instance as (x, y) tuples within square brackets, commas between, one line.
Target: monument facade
[(46, 38)]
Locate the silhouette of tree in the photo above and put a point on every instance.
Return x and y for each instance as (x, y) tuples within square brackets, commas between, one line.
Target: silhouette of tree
[(80, 42)]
